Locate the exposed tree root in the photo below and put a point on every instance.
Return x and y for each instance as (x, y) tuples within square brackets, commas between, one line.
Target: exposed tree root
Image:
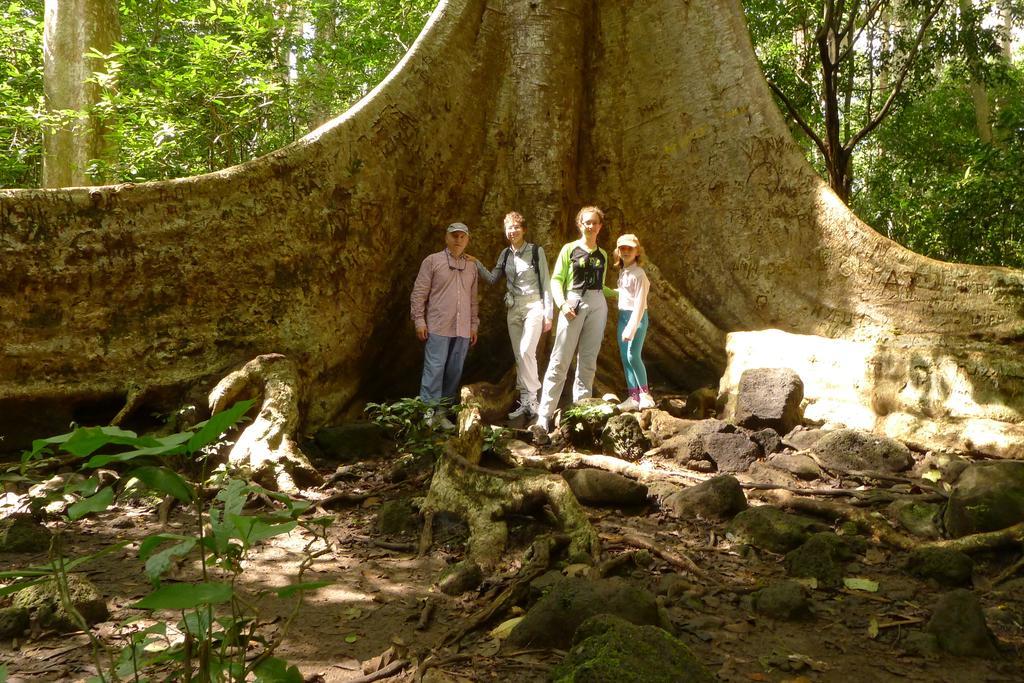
[(642, 472), (484, 497), (539, 559), (268, 446), (678, 560)]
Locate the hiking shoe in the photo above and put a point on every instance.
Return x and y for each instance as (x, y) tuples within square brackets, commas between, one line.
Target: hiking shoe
[(524, 410), (629, 405), (438, 420), (646, 401)]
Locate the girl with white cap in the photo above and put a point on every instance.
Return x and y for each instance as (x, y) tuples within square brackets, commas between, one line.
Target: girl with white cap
[(633, 287)]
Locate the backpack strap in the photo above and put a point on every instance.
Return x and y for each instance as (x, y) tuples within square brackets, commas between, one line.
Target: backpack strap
[(536, 269), (503, 260)]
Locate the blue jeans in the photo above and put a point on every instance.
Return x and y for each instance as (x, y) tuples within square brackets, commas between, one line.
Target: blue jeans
[(629, 352), (443, 358)]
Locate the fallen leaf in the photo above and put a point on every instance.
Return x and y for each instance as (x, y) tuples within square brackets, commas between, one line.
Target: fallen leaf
[(873, 628), (351, 638), (809, 581), (501, 631), (932, 475), (856, 584)]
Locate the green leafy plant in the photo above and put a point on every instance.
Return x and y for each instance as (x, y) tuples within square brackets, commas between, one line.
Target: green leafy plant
[(408, 422), (220, 641)]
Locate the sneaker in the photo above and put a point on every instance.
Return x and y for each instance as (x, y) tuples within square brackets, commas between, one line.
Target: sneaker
[(438, 420), (629, 405), (646, 401), (524, 410)]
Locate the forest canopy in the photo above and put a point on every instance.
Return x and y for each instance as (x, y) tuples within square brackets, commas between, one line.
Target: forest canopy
[(917, 121)]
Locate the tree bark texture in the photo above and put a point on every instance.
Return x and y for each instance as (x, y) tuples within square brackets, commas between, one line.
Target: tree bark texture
[(655, 111), (73, 28)]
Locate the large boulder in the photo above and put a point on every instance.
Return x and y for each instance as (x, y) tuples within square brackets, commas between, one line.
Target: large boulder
[(623, 437), (770, 528), (769, 397), (599, 487), (607, 649), (958, 623), (718, 498), (552, 621), (851, 450), (988, 496), (730, 452), (44, 604)]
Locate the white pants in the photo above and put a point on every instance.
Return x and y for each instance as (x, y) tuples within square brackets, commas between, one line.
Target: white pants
[(525, 324), (583, 333)]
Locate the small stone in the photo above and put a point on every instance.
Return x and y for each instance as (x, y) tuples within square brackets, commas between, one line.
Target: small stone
[(395, 517), (921, 644), (823, 557), (13, 621), (784, 600), (770, 528), (853, 450), (731, 452), (920, 519), (768, 439), (718, 498), (798, 464), (623, 437), (802, 438), (959, 625), (460, 577), (22, 534), (944, 565), (769, 397), (600, 487), (44, 604)]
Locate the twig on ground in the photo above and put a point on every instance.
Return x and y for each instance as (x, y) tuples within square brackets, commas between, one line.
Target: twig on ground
[(678, 560), (385, 672)]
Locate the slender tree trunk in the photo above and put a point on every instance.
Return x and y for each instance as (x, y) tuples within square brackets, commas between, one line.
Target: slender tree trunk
[(73, 29), (970, 25)]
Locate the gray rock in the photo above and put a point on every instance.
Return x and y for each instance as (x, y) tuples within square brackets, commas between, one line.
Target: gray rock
[(784, 600), (823, 556), (22, 534), (770, 528), (44, 604), (944, 565), (768, 439), (802, 438), (664, 427), (13, 621), (988, 496), (397, 517), (850, 450), (599, 487), (959, 625), (718, 498), (607, 648), (460, 577), (352, 441), (920, 519), (555, 617), (769, 397), (921, 644), (623, 437), (798, 464), (731, 452)]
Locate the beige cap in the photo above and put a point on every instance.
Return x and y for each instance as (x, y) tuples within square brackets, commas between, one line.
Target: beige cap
[(628, 240)]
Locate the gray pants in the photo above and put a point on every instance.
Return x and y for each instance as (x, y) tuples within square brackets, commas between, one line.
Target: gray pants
[(525, 324), (582, 335)]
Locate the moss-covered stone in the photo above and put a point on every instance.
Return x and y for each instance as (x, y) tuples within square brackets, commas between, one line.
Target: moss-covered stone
[(823, 557), (397, 517), (44, 604), (460, 577), (920, 519), (958, 623), (608, 649), (583, 422), (13, 621), (22, 534), (988, 496), (623, 437), (785, 600), (770, 528), (718, 498), (947, 566)]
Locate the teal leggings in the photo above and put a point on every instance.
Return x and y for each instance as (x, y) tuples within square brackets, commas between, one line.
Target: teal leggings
[(636, 373)]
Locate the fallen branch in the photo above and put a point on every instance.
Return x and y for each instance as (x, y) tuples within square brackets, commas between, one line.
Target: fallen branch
[(680, 561), (385, 672)]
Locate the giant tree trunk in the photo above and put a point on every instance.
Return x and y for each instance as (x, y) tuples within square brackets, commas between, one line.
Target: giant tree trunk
[(656, 111), (72, 29)]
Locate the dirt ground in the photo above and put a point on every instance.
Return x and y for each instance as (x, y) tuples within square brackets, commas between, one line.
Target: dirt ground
[(377, 599)]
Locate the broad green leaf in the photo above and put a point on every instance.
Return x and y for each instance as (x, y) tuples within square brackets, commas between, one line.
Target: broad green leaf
[(218, 424), (15, 587), (274, 670), (86, 440), (151, 543), (164, 480), (351, 638), (252, 530), (855, 584), (186, 596), (166, 445), (97, 503), (160, 562), (291, 590), (196, 623)]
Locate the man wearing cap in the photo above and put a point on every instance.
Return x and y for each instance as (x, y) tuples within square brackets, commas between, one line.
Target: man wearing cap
[(444, 312)]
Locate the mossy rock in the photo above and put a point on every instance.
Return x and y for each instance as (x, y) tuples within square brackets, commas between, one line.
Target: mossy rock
[(823, 556), (44, 604), (460, 578), (22, 534), (13, 621), (958, 623), (785, 600), (988, 496), (920, 519), (608, 649), (944, 565), (396, 517), (623, 437), (718, 498), (770, 528), (583, 422)]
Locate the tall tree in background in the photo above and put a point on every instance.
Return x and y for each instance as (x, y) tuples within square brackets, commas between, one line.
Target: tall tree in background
[(77, 36)]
